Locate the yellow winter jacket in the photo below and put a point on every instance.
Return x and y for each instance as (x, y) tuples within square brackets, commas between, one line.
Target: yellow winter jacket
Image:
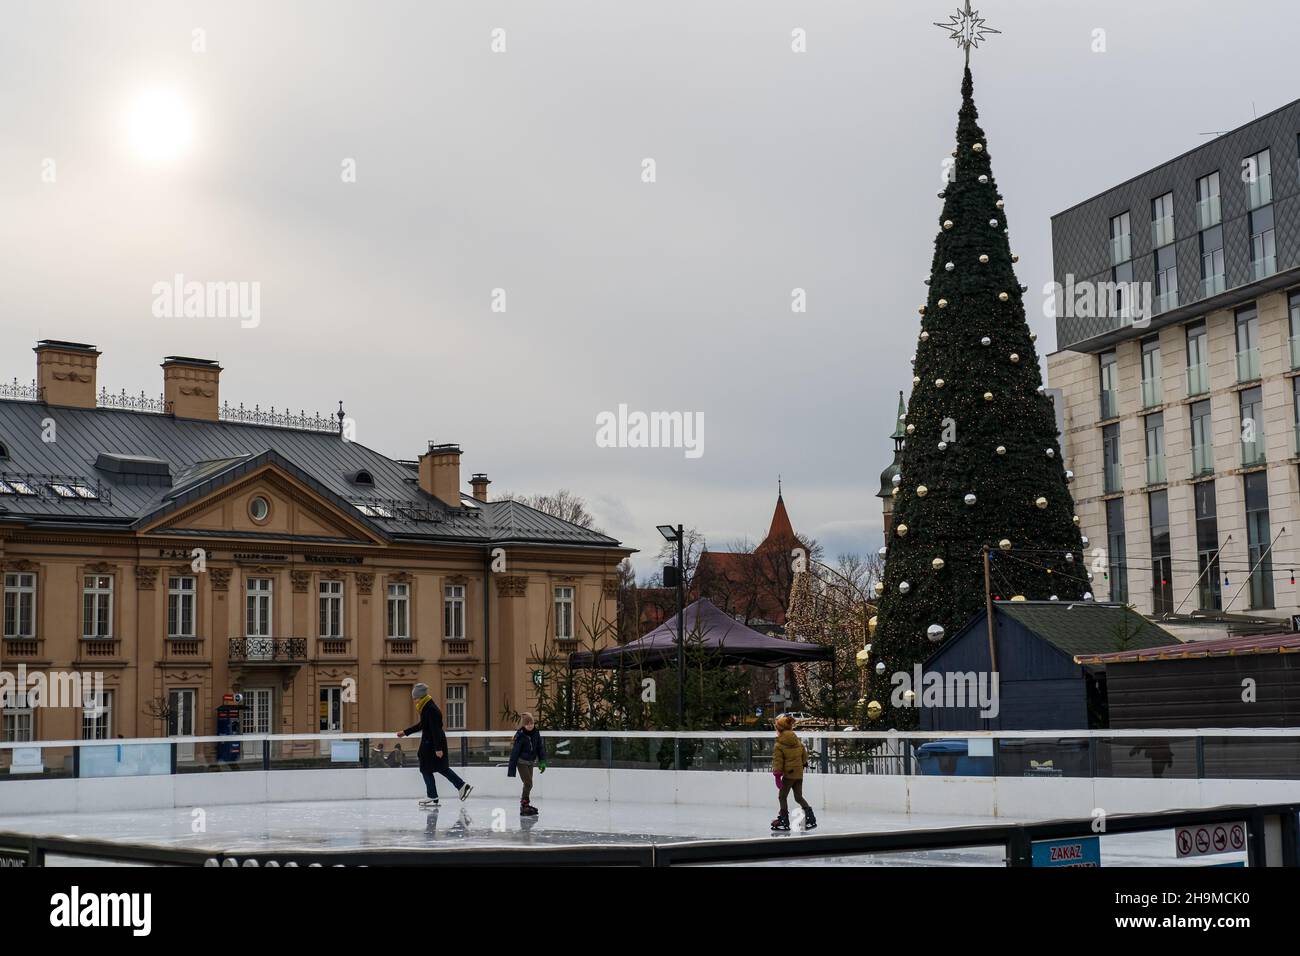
[(789, 756)]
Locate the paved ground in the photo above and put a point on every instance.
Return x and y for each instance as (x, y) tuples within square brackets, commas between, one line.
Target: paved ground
[(373, 824)]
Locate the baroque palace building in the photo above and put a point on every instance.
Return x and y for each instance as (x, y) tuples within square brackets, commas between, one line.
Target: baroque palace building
[(183, 550)]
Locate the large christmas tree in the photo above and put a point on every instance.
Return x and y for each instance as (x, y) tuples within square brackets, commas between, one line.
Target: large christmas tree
[(981, 465)]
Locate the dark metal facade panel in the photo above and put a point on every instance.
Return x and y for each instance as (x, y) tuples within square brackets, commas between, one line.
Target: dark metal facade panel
[(1081, 234), (1205, 692)]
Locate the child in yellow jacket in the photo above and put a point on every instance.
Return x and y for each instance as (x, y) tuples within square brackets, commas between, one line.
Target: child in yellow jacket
[(789, 757)]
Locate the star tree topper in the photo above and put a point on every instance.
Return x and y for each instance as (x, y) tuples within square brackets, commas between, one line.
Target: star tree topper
[(967, 28)]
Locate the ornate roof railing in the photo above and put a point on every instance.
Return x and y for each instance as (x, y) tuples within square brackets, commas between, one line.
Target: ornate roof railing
[(285, 419), (131, 403), (20, 392)]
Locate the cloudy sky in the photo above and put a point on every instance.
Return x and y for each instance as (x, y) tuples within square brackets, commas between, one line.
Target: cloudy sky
[(522, 171)]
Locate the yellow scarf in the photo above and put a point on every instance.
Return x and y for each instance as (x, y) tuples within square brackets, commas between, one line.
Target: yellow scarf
[(419, 704)]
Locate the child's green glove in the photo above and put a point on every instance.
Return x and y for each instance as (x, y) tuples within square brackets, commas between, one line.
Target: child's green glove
[(541, 767)]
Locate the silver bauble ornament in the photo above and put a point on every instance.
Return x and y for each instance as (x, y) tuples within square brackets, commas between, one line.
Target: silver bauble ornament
[(1069, 557), (904, 587), (948, 266), (882, 552), (1053, 598), (1015, 358), (999, 204), (880, 667), (1084, 540), (986, 341), (969, 499), (943, 446), (897, 480), (1002, 449), (924, 336), (1087, 595), (1051, 452), (993, 223), (1069, 475), (934, 632), (983, 178)]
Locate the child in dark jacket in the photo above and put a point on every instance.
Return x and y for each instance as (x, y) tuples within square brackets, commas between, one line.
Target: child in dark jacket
[(528, 749)]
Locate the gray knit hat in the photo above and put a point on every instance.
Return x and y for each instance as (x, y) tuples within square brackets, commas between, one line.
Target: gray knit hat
[(418, 691)]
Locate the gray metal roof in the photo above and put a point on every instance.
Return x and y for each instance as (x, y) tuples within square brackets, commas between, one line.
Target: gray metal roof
[(203, 456)]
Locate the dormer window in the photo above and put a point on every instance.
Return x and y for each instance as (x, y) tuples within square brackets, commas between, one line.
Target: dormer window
[(364, 477), (71, 489), (15, 486), (372, 510), (4, 450)]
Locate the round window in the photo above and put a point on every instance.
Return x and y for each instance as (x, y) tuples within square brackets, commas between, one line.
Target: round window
[(259, 508)]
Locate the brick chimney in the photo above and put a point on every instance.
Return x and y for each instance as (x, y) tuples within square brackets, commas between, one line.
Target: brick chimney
[(440, 473), (190, 387), (479, 483), (65, 372)]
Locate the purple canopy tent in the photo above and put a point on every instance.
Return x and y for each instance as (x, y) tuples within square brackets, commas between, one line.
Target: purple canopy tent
[(711, 629)]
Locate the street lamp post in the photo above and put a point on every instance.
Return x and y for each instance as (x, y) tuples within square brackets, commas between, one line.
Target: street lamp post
[(677, 535)]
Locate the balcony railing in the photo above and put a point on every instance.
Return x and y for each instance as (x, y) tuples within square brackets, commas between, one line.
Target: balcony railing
[(1296, 429), (21, 647), (1156, 470), (1202, 460), (1114, 478), (1162, 232), (1153, 390), (1260, 192), (456, 648), (91, 648), (1165, 301), (1198, 379), (1264, 267), (268, 650), (1212, 285), (1121, 249), (1294, 342), (183, 648), (1109, 403), (334, 646), (1252, 452), (1208, 212), (1247, 365), (400, 646)]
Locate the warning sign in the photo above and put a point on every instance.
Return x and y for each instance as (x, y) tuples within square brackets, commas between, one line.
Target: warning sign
[(1210, 839)]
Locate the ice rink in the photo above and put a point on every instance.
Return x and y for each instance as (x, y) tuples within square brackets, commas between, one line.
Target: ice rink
[(371, 824)]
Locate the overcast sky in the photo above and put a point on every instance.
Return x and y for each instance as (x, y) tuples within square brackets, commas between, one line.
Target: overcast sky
[(522, 171)]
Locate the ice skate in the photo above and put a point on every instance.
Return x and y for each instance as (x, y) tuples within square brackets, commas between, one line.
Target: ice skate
[(809, 820), (782, 822), (465, 791), (526, 809), (429, 803)]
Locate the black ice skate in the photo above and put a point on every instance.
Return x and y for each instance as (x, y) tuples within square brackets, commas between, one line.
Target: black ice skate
[(782, 822), (465, 791), (526, 809), (809, 820)]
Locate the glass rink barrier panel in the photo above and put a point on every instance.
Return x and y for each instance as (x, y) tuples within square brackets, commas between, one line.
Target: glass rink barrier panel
[(37, 761)]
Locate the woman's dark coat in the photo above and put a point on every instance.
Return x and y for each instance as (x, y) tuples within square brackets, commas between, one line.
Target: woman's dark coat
[(432, 739)]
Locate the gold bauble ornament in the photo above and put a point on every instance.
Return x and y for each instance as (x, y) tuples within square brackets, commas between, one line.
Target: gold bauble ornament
[(871, 625), (874, 710), (922, 491), (999, 204), (943, 303), (1041, 503), (988, 396), (1033, 336), (1002, 449), (893, 492), (1018, 597), (921, 310), (978, 147), (924, 336), (984, 258), (1076, 520), (880, 587), (901, 531), (910, 429), (1005, 544), (937, 564), (1015, 258), (1003, 297), (938, 383), (862, 657), (916, 380), (947, 224)]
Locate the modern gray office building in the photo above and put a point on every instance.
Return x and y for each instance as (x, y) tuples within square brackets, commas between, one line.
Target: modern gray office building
[(1178, 365)]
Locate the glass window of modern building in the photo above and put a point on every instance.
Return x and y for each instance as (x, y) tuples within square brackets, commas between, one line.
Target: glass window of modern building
[(1293, 311), (1114, 475), (1152, 379), (1247, 344), (1162, 220), (1121, 239), (1155, 441), (1123, 293), (1295, 405), (1263, 243), (1209, 592), (1202, 439), (1208, 211), (1108, 369), (1252, 426), (1212, 269), (1166, 290), (1116, 556), (1258, 540), (1257, 174), (1198, 359), (1162, 577)]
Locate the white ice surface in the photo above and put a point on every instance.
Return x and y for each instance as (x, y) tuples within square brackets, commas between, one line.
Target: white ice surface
[(487, 821)]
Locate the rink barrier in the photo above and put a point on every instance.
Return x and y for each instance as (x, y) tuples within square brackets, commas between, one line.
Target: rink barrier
[(1272, 837)]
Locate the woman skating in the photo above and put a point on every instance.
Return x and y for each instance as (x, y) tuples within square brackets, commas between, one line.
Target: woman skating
[(433, 747)]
